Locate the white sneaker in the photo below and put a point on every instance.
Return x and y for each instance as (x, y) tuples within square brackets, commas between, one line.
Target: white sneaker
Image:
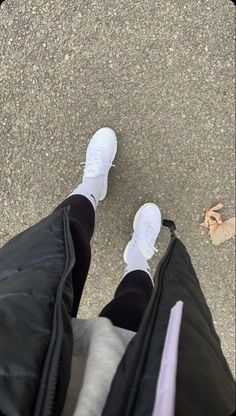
[(147, 225), (100, 154)]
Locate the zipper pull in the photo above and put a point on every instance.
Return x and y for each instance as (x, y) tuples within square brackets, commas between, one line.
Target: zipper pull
[(171, 225)]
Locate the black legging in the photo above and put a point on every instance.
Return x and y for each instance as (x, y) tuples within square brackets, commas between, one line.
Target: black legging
[(134, 291)]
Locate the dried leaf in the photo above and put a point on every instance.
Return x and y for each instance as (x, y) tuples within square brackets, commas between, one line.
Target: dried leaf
[(217, 207), (223, 232), (212, 217), (213, 228), (212, 221), (206, 220), (204, 224), (219, 230)]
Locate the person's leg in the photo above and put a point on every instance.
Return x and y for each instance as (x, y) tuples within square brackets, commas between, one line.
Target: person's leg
[(82, 221), (83, 202), (130, 301), (131, 298)]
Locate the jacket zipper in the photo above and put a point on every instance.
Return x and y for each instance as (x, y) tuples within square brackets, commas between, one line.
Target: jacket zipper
[(48, 384), (125, 408)]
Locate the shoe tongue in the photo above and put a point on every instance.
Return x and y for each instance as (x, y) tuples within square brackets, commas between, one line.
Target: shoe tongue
[(93, 170), (145, 248), (95, 165)]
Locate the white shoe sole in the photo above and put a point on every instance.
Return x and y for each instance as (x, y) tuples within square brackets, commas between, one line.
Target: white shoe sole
[(135, 222)]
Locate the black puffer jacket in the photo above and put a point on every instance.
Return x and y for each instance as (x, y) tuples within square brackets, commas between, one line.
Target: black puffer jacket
[(36, 297), (35, 318), (204, 385)]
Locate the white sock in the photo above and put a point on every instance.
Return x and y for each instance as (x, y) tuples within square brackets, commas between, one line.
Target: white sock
[(137, 261), (90, 188)]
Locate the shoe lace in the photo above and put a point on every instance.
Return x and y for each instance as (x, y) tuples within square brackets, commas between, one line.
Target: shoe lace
[(146, 238), (97, 159)]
